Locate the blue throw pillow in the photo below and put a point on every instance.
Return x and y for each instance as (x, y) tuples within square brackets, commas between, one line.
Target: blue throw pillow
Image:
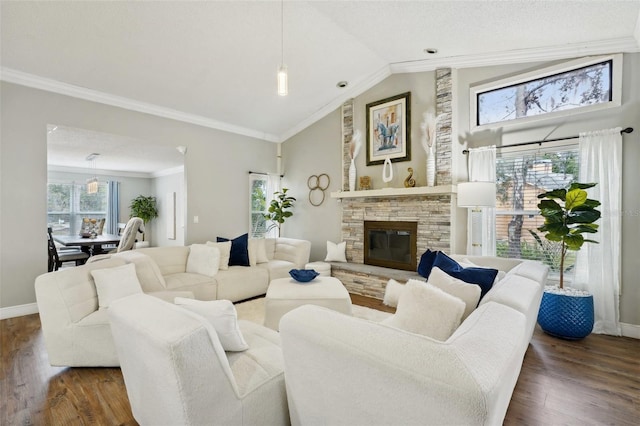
[(239, 255), (484, 277), (426, 263)]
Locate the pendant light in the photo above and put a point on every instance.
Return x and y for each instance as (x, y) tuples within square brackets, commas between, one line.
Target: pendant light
[(92, 183), (283, 83)]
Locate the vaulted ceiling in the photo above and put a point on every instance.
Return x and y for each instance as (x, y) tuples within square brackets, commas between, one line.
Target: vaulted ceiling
[(214, 63)]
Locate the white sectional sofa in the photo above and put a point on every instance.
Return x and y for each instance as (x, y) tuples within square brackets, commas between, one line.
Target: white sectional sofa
[(77, 332), (341, 370)]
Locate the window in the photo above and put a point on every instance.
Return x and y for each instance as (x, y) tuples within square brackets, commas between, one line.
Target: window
[(261, 189), (520, 177), (576, 86), (68, 203)]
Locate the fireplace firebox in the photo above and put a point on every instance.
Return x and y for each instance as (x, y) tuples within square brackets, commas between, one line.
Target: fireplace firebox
[(390, 244)]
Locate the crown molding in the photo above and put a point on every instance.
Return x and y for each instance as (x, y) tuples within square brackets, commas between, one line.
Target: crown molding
[(618, 45), (24, 79), (359, 88), (99, 172)]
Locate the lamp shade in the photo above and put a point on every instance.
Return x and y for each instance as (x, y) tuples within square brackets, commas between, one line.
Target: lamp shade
[(477, 194)]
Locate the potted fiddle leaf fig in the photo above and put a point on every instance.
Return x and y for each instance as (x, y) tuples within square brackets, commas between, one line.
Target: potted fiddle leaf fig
[(278, 209), (568, 215), (145, 208)]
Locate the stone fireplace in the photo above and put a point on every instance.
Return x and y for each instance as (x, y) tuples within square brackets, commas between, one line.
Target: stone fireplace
[(432, 210)]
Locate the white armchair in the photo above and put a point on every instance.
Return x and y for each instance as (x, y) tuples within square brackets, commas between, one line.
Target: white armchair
[(176, 371)]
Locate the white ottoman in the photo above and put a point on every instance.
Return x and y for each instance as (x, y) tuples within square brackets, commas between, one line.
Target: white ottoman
[(323, 268), (286, 294)]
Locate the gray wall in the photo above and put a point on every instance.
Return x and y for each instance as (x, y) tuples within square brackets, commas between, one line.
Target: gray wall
[(318, 149), (302, 152), (216, 166)]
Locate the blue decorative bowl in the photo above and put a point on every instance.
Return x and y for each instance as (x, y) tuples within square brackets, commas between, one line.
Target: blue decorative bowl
[(303, 275)]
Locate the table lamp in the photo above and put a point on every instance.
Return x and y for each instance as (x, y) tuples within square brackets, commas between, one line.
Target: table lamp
[(475, 196)]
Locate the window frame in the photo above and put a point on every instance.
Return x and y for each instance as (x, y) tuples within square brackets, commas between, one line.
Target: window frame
[(616, 91)]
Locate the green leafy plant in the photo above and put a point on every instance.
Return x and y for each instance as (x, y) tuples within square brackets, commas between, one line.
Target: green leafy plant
[(144, 207), (568, 214), (278, 209)]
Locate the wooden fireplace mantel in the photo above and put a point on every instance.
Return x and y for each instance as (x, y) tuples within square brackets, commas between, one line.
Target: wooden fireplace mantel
[(398, 192)]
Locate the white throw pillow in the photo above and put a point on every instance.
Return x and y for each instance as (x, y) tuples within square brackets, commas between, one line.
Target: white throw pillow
[(336, 252), (115, 283), (392, 293), (147, 270), (203, 259), (427, 310), (225, 253), (468, 293), (224, 318), (257, 251)]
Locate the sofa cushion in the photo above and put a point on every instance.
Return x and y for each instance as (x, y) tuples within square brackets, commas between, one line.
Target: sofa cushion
[(240, 283), (427, 310), (261, 363), (225, 253), (147, 270), (239, 250), (185, 279), (203, 259), (115, 283), (170, 259), (257, 251), (222, 315), (277, 268)]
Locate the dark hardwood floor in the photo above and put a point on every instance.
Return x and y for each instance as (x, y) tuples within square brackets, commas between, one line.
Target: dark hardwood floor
[(589, 382)]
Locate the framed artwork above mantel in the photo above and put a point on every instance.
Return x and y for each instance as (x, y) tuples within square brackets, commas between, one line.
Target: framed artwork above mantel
[(389, 129)]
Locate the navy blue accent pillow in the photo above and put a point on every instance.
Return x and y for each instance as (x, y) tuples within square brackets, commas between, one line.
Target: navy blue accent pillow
[(239, 255), (426, 263), (484, 277)]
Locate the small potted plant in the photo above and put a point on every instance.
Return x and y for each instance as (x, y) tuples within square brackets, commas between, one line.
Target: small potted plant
[(145, 208), (278, 212), (568, 213)]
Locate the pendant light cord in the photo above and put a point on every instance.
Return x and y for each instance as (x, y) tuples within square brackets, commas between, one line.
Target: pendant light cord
[(281, 32)]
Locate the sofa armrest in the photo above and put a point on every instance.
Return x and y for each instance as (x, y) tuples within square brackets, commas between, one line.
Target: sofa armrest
[(342, 370), (293, 250)]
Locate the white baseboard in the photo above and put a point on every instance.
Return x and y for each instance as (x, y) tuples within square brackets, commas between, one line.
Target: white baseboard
[(630, 330), (18, 311)]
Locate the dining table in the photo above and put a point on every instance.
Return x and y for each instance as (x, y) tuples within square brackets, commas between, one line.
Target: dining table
[(90, 245)]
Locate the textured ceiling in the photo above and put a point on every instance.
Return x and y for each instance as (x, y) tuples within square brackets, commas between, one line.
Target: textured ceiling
[(214, 62)]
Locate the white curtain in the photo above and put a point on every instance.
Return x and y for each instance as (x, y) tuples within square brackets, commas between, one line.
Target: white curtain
[(482, 168), (598, 265), (273, 185), (113, 206)]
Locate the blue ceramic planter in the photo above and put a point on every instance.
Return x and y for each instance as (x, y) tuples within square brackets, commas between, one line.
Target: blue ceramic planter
[(567, 317)]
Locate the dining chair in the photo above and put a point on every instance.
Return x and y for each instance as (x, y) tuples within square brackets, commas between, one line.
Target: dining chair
[(130, 233), (68, 255)]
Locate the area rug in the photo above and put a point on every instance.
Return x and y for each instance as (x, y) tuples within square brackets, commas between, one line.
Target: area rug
[(253, 310)]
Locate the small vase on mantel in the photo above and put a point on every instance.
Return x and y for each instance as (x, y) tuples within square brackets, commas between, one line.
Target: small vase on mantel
[(352, 176), (431, 167)]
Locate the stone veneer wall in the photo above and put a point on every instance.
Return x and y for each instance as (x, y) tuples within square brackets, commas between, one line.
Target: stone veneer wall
[(432, 212)]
